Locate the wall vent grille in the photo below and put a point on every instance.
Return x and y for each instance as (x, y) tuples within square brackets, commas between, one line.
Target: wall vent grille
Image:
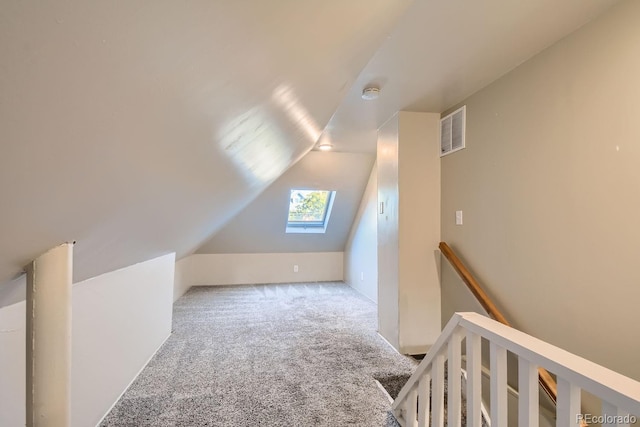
[(452, 130)]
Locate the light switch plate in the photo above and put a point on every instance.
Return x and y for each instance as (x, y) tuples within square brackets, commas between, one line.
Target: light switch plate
[(458, 217)]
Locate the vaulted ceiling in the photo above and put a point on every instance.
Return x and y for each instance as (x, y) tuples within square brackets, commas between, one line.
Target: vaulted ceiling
[(139, 128), (260, 227)]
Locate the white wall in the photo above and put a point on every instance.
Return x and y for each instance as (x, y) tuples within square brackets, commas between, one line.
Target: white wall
[(181, 283), (13, 291), (240, 269), (260, 226), (549, 186), (12, 365), (419, 234), (387, 231), (409, 231), (361, 250), (119, 321)]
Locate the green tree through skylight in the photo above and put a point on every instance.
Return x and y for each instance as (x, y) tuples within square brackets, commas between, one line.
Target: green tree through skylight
[(308, 205)]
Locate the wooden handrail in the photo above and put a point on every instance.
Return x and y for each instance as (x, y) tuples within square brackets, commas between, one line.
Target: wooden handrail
[(547, 382)]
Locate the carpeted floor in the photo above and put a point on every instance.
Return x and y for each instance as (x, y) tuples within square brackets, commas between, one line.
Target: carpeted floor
[(266, 355), (394, 383)]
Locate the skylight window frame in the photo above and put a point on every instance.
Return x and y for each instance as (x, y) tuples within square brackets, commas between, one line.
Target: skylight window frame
[(311, 226)]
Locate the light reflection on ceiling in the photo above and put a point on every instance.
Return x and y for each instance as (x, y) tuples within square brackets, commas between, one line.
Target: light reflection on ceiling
[(285, 98), (257, 143), (256, 146)]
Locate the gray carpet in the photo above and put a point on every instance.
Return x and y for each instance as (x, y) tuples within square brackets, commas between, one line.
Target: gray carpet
[(394, 383), (266, 355)]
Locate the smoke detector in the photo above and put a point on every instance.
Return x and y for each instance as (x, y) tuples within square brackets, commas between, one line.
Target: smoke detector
[(369, 93)]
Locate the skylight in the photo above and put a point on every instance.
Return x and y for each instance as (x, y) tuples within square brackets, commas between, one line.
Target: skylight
[(309, 210)]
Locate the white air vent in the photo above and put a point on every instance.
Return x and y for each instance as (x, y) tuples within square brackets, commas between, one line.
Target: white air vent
[(452, 131)]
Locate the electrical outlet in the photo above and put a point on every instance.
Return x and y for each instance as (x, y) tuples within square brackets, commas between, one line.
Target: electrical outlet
[(295, 268), (362, 275)]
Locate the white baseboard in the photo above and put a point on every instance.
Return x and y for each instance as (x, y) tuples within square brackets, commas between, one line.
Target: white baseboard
[(415, 349), (388, 343)]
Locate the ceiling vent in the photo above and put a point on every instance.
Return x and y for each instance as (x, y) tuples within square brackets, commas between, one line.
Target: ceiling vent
[(452, 129)]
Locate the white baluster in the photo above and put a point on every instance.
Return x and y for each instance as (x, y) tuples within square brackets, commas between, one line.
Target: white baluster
[(454, 396), (474, 380), (613, 415), (498, 356), (527, 394), (424, 395), (405, 411), (568, 405), (412, 408), (437, 402)]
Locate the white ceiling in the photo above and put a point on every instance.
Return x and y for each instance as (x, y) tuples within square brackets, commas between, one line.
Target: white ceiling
[(139, 128), (260, 227), (442, 51)]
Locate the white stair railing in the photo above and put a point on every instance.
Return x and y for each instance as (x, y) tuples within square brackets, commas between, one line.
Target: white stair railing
[(620, 395)]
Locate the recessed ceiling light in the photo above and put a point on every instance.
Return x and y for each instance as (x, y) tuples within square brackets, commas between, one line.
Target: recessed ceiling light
[(370, 93), (325, 146)]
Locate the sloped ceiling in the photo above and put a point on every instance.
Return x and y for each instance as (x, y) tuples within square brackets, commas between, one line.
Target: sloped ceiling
[(439, 53), (260, 227), (139, 128), (443, 51)]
